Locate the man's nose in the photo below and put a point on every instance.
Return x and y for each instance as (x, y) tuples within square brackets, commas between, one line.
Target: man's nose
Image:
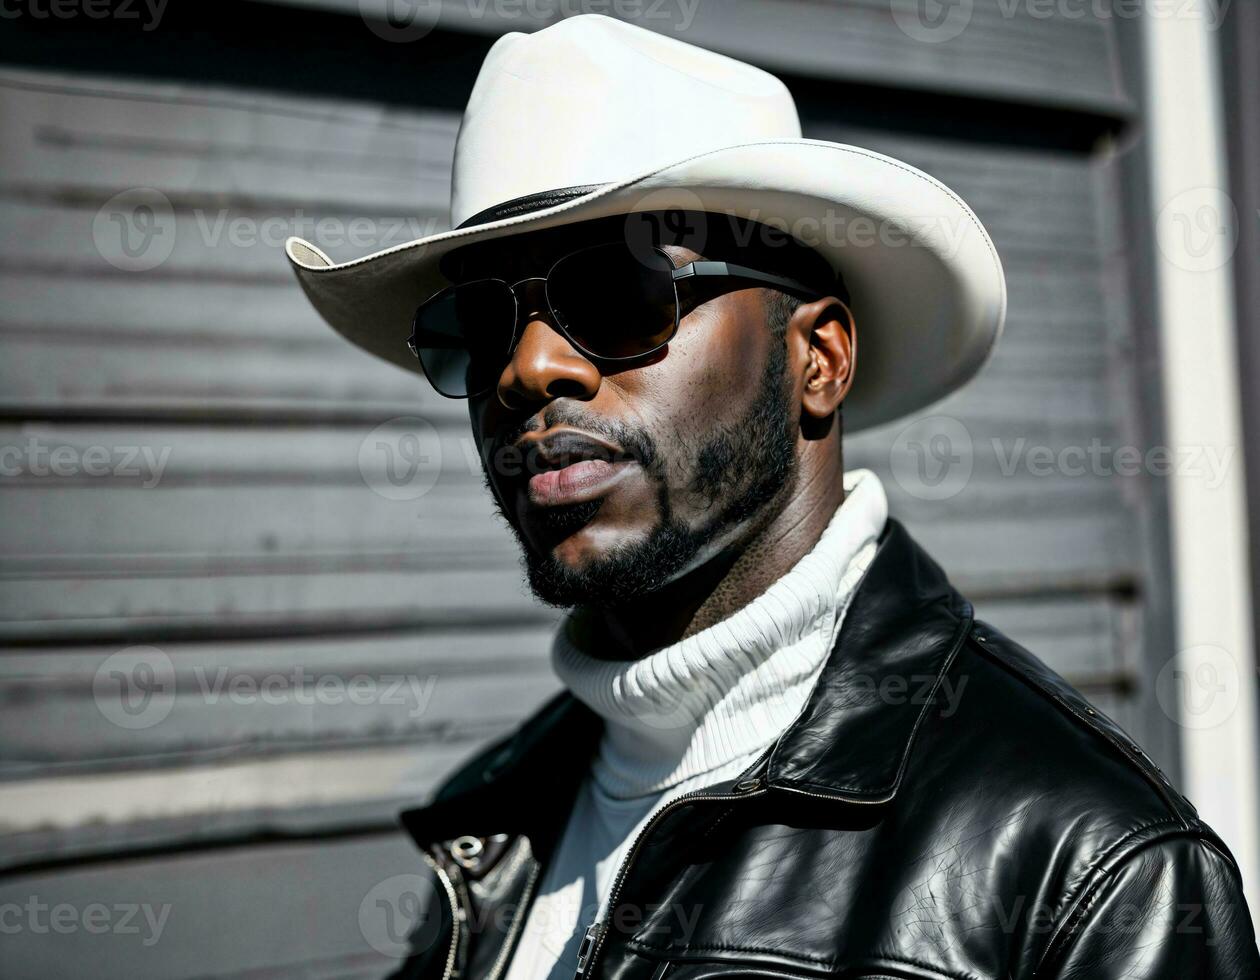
[(544, 364)]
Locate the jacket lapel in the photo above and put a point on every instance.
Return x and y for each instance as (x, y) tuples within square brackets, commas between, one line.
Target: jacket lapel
[(885, 674)]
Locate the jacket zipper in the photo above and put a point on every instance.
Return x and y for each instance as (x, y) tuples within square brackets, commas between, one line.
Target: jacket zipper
[(593, 939), (456, 914)]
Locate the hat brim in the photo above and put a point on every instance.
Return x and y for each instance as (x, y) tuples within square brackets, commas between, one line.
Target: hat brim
[(927, 287)]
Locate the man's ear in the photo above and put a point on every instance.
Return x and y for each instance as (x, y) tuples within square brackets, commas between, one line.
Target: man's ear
[(828, 323)]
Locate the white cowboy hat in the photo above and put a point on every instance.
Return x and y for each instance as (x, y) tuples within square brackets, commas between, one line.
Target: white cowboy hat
[(593, 117)]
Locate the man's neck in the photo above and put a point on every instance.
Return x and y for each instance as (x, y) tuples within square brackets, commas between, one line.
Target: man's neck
[(739, 573)]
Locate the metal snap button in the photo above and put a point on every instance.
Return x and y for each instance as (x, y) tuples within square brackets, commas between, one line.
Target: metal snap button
[(466, 850)]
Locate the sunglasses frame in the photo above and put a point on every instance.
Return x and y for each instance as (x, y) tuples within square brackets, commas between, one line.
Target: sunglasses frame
[(691, 272)]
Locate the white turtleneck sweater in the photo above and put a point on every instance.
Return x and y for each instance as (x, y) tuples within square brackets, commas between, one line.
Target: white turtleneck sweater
[(689, 715)]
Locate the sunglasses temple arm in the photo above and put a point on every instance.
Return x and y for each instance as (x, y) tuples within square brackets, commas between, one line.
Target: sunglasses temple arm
[(729, 270)]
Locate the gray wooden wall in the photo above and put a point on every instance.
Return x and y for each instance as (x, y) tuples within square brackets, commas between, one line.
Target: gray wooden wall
[(195, 500)]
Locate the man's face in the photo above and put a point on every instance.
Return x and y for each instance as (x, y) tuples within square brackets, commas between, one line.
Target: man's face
[(617, 479)]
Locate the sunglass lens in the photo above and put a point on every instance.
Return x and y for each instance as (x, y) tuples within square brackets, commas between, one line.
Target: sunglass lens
[(463, 335), (615, 301)]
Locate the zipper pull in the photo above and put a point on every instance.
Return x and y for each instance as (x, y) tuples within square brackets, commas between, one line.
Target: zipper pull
[(588, 945)]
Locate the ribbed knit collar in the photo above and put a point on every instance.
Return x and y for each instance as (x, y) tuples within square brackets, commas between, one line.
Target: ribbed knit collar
[(728, 691)]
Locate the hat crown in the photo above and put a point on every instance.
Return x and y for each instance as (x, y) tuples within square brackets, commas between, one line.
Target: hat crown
[(592, 99)]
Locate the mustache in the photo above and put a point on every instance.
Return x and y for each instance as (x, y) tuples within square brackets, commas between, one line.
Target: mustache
[(636, 441)]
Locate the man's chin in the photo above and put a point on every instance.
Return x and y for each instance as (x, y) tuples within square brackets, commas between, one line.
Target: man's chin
[(546, 528), (603, 568)]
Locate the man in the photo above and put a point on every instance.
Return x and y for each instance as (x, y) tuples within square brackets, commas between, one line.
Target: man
[(786, 747)]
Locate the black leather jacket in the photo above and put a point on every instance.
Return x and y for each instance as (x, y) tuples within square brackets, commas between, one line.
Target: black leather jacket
[(944, 807)]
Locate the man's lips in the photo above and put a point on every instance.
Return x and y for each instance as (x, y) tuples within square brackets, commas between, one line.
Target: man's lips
[(569, 466), (584, 480)]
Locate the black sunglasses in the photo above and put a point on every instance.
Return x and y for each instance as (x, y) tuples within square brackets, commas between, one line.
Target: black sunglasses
[(611, 302)]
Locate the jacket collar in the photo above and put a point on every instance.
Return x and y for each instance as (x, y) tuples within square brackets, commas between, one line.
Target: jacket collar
[(902, 630), (850, 742)]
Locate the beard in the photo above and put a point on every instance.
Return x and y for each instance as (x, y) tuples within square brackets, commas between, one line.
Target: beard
[(737, 472)]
